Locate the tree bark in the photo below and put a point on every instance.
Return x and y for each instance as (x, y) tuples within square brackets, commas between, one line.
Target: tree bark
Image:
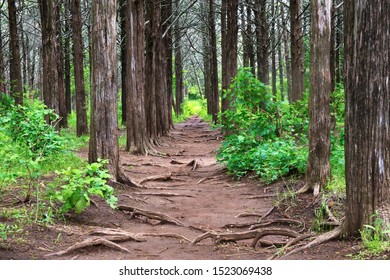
[(229, 46), (16, 87), (2, 65), (213, 64), (123, 50), (68, 92), (367, 90), (318, 165), (297, 52), (60, 66), (103, 142), (137, 138), (262, 41), (178, 67), (78, 64), (49, 48)]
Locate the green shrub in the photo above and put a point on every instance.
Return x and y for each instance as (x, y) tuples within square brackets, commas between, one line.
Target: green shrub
[(79, 184)]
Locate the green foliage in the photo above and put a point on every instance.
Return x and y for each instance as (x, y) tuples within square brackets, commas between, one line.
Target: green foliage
[(266, 136), (6, 231), (375, 237), (79, 184), (191, 108)]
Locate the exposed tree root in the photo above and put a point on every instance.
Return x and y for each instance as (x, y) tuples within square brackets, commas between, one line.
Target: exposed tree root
[(219, 237), (123, 179), (176, 162), (274, 231), (242, 215), (150, 214), (93, 241), (170, 235), (306, 188), (165, 194), (275, 221), (116, 234), (194, 163), (331, 218), (151, 164), (335, 233), (290, 244), (202, 180), (135, 198), (243, 225), (163, 177)]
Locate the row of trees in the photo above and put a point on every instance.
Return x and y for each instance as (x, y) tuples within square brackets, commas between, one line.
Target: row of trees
[(270, 37)]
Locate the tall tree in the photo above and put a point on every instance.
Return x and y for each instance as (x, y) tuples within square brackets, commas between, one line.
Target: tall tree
[(2, 65), (15, 62), (297, 51), (50, 82), (67, 55), (262, 40), (178, 65), (78, 64), (213, 63), (104, 118), (123, 50), (60, 68), (137, 137), (318, 164), (367, 91), (229, 28)]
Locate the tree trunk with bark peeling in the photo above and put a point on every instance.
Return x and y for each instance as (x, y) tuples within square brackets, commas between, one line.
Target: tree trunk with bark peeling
[(318, 165), (103, 142), (367, 91)]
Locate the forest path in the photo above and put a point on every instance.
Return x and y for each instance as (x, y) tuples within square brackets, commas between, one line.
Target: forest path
[(192, 194), (200, 196)]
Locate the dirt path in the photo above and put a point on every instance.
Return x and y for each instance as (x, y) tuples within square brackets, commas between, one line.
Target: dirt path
[(200, 196)]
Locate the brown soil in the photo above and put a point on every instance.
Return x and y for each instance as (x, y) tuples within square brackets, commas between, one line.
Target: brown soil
[(204, 198)]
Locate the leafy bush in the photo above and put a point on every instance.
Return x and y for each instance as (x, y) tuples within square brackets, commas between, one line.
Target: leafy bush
[(80, 184), (375, 237), (266, 136)]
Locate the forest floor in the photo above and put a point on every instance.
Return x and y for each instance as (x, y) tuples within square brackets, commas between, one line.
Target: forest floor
[(193, 195)]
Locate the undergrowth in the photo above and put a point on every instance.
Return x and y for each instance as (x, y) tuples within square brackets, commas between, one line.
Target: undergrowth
[(191, 108), (268, 136)]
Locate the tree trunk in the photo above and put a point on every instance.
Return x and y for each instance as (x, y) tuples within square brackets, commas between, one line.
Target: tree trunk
[(103, 142), (206, 40), (15, 62), (168, 43), (137, 138), (68, 92), (49, 48), (123, 50), (229, 46), (367, 90), (262, 41), (2, 65), (297, 52), (178, 67), (333, 47), (273, 49), (213, 64), (286, 51), (60, 66), (150, 71), (78, 64), (318, 165)]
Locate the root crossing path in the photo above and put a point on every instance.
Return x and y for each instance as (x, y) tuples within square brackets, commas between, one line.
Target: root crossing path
[(186, 207)]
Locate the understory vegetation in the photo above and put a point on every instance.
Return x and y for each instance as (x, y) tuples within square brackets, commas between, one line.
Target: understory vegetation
[(41, 177), (268, 136)]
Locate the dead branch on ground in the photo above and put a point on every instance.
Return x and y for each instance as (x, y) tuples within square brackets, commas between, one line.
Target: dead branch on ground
[(163, 177)]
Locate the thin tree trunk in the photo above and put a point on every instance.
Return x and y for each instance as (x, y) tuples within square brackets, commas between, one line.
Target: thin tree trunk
[(178, 67), (229, 46), (297, 52), (262, 41), (103, 142), (213, 64), (60, 66), (2, 65), (15, 62), (68, 92), (78, 64), (318, 164), (123, 49), (286, 52), (273, 49)]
